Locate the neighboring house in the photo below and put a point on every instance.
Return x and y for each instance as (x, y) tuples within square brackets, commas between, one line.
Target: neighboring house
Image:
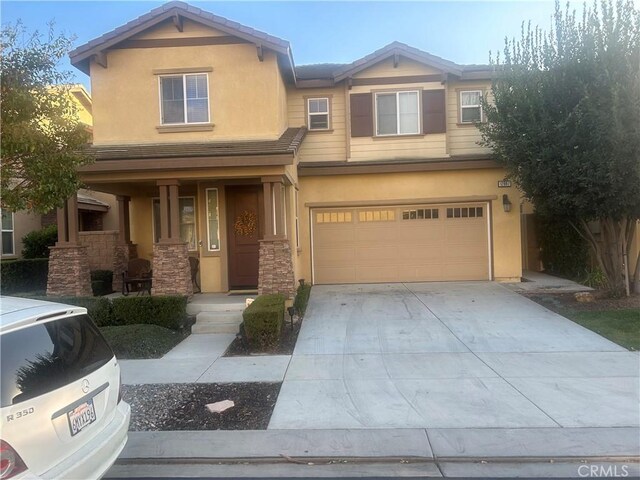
[(221, 148), (95, 209)]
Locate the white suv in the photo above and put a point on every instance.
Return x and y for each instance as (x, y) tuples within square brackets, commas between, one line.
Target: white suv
[(62, 415)]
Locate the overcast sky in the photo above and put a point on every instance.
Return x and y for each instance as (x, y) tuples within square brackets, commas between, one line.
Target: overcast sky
[(463, 32)]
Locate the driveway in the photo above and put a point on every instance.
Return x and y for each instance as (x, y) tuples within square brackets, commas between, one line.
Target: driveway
[(450, 355)]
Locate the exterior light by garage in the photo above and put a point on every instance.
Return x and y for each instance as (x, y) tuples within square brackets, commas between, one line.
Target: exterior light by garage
[(506, 203)]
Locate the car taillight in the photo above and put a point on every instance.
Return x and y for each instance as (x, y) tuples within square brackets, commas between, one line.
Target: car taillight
[(10, 462), (120, 388)]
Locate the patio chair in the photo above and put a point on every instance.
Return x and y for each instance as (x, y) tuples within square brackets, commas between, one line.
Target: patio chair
[(194, 263), (137, 277)]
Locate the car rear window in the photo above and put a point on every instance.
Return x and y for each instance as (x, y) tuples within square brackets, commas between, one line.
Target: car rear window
[(46, 356)]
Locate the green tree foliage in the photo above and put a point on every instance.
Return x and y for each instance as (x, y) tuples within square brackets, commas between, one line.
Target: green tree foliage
[(564, 121), (41, 135)]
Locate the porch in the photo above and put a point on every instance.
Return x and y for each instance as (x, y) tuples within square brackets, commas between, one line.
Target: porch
[(235, 214)]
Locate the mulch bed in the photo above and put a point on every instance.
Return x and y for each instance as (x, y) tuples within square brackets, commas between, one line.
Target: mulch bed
[(559, 302), (182, 406), (240, 347)]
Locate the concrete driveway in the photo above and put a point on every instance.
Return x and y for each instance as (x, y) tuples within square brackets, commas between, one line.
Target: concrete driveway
[(450, 355)]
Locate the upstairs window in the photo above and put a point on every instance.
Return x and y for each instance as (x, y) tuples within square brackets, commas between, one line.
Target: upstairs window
[(318, 113), (470, 106), (397, 113), (184, 99)]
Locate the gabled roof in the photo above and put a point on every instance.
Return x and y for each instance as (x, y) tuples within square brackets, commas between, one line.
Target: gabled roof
[(81, 56), (326, 74), (397, 48)]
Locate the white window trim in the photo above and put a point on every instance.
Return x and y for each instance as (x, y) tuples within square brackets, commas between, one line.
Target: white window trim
[(13, 237), (206, 195), (195, 220), (184, 91), (397, 93), (470, 106), (327, 113)]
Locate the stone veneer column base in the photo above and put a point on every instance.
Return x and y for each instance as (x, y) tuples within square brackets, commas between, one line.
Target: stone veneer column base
[(275, 273), (171, 270), (122, 253), (69, 271)]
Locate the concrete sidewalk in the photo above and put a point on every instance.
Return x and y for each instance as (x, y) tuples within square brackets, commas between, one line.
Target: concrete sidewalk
[(198, 359), (381, 452)]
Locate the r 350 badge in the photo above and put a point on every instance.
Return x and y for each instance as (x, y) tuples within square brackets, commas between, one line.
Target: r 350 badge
[(20, 413)]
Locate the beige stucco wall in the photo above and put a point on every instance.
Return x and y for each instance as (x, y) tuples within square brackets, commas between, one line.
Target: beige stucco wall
[(245, 95), (507, 261), (23, 223)]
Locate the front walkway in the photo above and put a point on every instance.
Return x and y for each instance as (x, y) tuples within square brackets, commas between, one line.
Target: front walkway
[(198, 359), (450, 355)]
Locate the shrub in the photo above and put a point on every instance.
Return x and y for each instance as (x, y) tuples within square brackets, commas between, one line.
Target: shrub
[(301, 300), (562, 250), (101, 282), (36, 244), (24, 275), (164, 311), (263, 321)]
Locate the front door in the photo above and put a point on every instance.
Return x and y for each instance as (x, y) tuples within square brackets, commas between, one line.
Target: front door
[(245, 228)]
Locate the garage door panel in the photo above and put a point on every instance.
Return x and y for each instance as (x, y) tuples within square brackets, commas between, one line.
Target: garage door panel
[(337, 274), (387, 244), (333, 235), (376, 234)]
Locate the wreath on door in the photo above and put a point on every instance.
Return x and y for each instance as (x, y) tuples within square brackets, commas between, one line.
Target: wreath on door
[(246, 224)]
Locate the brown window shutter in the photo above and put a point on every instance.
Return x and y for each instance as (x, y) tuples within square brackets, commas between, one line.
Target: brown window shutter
[(434, 111), (361, 115)]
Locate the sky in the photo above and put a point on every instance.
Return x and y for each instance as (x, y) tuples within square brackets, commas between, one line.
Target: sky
[(319, 32)]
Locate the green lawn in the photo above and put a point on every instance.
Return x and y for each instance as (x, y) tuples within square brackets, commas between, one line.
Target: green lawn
[(141, 341), (619, 326)]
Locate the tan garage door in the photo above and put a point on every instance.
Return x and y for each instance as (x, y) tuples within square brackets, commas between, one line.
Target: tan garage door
[(401, 244)]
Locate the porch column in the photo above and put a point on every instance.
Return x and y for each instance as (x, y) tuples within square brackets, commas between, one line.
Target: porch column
[(124, 250), (68, 260), (275, 272), (171, 267)]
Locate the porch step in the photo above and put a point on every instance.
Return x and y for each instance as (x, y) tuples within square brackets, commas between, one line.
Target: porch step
[(218, 322), (196, 308)]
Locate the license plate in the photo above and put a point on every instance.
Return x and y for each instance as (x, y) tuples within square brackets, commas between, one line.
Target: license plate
[(81, 416)]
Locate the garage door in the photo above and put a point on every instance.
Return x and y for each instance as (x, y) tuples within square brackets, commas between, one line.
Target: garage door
[(401, 244)]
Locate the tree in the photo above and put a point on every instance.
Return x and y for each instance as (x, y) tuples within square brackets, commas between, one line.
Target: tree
[(564, 121), (42, 138)]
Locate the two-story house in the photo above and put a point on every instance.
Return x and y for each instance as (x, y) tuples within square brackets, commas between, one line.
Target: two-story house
[(220, 147)]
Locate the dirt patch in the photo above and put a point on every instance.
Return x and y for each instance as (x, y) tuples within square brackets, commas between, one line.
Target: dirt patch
[(183, 406), (559, 302), (240, 346)]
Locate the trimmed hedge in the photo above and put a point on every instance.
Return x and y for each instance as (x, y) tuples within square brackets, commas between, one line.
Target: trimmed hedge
[(164, 311), (101, 282), (302, 299), (36, 243), (24, 275), (263, 320)]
